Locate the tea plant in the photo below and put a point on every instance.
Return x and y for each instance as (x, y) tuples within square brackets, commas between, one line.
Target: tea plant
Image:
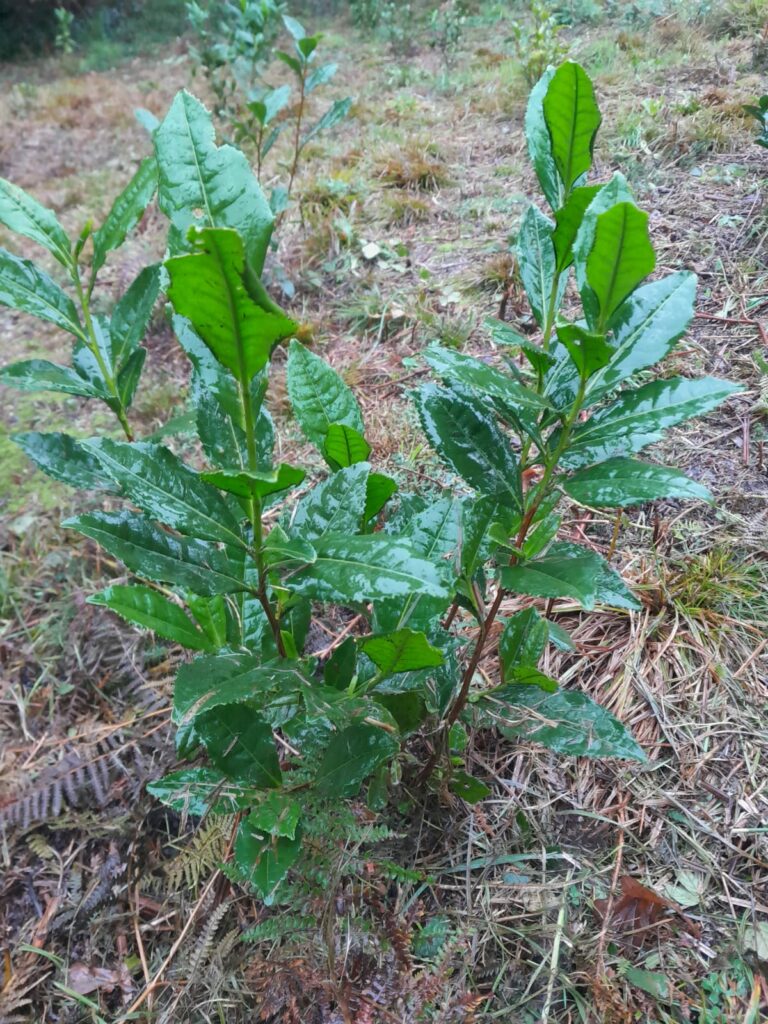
[(63, 41), (538, 44), (447, 22), (760, 112), (234, 560), (366, 13)]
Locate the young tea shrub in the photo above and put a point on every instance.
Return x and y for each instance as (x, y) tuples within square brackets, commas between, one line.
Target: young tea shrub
[(234, 561)]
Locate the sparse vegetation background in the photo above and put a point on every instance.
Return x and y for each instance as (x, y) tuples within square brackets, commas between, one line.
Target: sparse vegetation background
[(521, 800)]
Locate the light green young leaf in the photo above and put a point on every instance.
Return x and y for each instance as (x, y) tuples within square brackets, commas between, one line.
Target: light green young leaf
[(402, 651), (344, 446), (589, 352), (572, 116), (127, 210), (620, 258), (568, 221), (246, 484), (621, 482), (379, 489), (22, 213), (319, 397), (148, 608), (24, 286)]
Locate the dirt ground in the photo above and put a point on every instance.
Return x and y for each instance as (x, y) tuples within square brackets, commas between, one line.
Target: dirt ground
[(441, 911)]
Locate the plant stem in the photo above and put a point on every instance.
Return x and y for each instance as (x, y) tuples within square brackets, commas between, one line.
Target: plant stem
[(296, 141)]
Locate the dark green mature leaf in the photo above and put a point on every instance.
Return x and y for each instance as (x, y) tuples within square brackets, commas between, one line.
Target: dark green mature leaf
[(22, 213), (210, 682), (572, 116), (197, 791), (246, 484), (472, 373), (618, 483), (344, 446), (333, 116), (354, 570), (146, 607), (263, 859), (568, 221), (277, 814), (127, 210), (149, 551), (620, 258), (64, 458), (240, 744), (478, 518), (407, 709), (208, 287), (24, 286), (589, 352), (40, 375), (378, 491), (470, 443), (334, 506), (568, 723), (319, 396), (162, 486), (640, 417), (540, 142), (555, 575), (522, 641), (130, 317), (537, 262), (128, 377), (351, 757), (402, 651), (320, 76), (645, 328), (467, 787), (280, 549), (610, 588), (204, 185)]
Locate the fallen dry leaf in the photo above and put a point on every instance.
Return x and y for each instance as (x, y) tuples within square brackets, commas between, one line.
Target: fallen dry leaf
[(640, 912), (84, 979)]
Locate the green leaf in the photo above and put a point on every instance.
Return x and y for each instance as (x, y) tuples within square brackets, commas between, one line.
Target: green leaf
[(279, 548), (477, 544), (64, 458), (333, 116), (620, 258), (264, 860), (567, 722), (472, 373), (128, 377), (468, 787), (556, 576), (353, 570), (560, 637), (211, 614), (151, 552), (24, 286), (573, 118), (21, 213), (146, 607), (319, 396), (618, 483), (589, 352), (470, 443), (645, 328), (522, 641), (529, 675), (351, 757), (610, 588), (277, 814), (402, 651), (654, 983), (40, 375), (197, 791), (539, 141), (334, 506), (407, 709), (219, 679), (162, 486), (379, 489), (246, 484), (127, 210), (344, 446), (240, 744), (640, 417), (208, 287), (204, 185), (537, 262), (568, 221), (320, 76), (295, 28), (130, 317)]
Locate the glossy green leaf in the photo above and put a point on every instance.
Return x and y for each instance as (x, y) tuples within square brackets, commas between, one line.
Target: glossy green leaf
[(620, 482), (130, 317), (24, 286), (589, 352), (150, 551), (560, 637), (334, 506), (523, 641), (280, 549), (211, 614), (654, 983), (478, 518), (613, 193), (344, 446), (162, 486), (470, 443), (40, 375), (556, 576), (530, 675), (334, 115), (640, 417), (354, 570), (240, 744), (204, 185), (246, 484), (407, 709), (320, 76), (645, 328), (568, 221), (537, 262), (127, 210), (22, 213), (277, 814), (219, 679), (128, 377), (539, 141), (572, 116), (197, 791), (319, 397), (610, 589), (351, 757), (567, 722), (209, 288), (402, 651), (468, 787), (263, 859), (472, 373), (620, 258), (148, 608), (64, 458), (379, 489)]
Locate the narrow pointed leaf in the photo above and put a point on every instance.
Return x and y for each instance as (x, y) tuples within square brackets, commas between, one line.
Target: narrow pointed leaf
[(22, 213), (127, 210), (40, 375), (522, 641), (128, 377), (568, 221), (537, 261), (218, 679), (621, 482), (240, 744), (333, 116), (472, 373), (319, 397), (572, 116), (64, 458), (146, 607), (351, 757), (130, 317), (24, 286), (402, 651), (539, 141)]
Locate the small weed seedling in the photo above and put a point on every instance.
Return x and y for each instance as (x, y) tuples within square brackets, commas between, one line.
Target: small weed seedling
[(234, 561)]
